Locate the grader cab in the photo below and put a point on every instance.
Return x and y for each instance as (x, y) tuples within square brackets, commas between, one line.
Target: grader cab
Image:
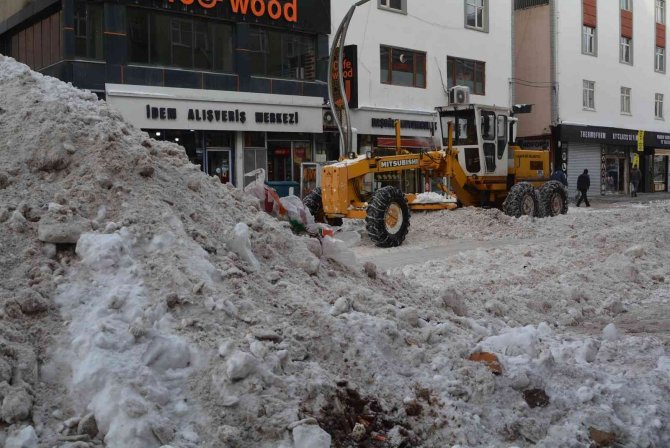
[(479, 164)]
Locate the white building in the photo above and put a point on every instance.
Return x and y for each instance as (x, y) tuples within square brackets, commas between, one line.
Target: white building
[(410, 52), (596, 72)]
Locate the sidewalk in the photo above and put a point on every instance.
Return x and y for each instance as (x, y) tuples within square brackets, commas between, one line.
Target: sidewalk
[(609, 199)]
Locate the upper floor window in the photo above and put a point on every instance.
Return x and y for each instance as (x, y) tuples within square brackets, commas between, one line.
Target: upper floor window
[(393, 5), (627, 5), (589, 40), (477, 14), (660, 11), (626, 50), (88, 30), (625, 100), (659, 64), (465, 72), (659, 106), (179, 41), (402, 67), (282, 54), (589, 95)]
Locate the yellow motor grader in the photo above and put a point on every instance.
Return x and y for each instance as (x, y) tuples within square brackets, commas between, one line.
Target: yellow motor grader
[(478, 164)]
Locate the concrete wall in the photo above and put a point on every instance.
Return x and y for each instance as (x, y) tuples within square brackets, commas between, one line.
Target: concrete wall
[(606, 70), (532, 59), (10, 7), (437, 28)]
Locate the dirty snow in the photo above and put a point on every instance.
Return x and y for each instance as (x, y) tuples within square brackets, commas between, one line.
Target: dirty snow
[(144, 304)]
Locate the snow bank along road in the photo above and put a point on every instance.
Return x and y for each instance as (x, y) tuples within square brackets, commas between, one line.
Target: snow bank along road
[(534, 269)]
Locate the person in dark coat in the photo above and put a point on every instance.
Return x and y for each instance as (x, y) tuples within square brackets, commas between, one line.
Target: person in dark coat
[(635, 179), (559, 176), (583, 184)]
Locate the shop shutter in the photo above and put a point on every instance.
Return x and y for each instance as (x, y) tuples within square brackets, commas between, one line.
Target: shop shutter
[(581, 157)]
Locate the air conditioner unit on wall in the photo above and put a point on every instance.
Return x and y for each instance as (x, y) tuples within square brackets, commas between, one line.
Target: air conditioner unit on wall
[(459, 95)]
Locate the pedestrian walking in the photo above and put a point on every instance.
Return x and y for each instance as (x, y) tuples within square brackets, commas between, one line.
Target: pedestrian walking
[(560, 176), (635, 179), (583, 184)]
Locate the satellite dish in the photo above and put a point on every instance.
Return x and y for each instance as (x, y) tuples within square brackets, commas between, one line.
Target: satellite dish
[(403, 58)]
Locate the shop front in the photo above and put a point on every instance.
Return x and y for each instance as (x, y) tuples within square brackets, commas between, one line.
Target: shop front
[(657, 150), (228, 134)]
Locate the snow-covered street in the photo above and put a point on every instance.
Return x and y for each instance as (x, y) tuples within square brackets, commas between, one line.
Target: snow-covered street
[(144, 304)]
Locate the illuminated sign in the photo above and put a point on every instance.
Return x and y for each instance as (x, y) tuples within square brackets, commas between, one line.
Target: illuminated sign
[(259, 8)]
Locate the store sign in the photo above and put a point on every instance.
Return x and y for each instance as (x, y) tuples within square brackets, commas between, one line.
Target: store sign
[(221, 115), (349, 75), (306, 15), (596, 134), (657, 140), (404, 124)]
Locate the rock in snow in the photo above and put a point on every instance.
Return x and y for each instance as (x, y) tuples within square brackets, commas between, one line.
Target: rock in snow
[(26, 438), (310, 436)]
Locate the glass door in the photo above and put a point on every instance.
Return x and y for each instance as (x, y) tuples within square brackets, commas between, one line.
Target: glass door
[(220, 164)]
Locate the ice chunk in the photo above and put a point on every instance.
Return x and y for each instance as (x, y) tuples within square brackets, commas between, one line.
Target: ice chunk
[(240, 365), (26, 438), (163, 354), (241, 245), (310, 436), (611, 333), (515, 342)]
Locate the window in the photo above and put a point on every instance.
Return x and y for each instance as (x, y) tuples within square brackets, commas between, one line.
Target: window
[(179, 41), (589, 95), (402, 67), (660, 11), (280, 54), (659, 64), (477, 14), (465, 72), (626, 50), (625, 100), (88, 30), (502, 136), (627, 5), (393, 5), (589, 40), (658, 113)]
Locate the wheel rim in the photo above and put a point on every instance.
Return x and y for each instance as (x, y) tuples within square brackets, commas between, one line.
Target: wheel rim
[(393, 218), (528, 205), (556, 204)]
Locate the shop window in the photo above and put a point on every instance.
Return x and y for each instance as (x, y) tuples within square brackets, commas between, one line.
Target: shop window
[(589, 40), (589, 95), (179, 41), (477, 14), (254, 139), (393, 5), (402, 67), (88, 30), (465, 72), (660, 173), (625, 100), (255, 154), (626, 5), (282, 55), (658, 109), (626, 50), (659, 60), (660, 11)]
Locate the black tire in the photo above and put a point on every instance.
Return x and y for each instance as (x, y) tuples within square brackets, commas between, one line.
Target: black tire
[(553, 199), (387, 220), (314, 203), (522, 200)]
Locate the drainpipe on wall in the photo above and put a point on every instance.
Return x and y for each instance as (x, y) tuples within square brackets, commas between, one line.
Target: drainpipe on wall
[(553, 30), (512, 90)]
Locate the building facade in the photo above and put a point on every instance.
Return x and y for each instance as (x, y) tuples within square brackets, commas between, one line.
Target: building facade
[(240, 84), (403, 56), (596, 73)]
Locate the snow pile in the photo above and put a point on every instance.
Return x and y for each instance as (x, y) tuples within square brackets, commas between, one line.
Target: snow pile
[(145, 304), (432, 198)]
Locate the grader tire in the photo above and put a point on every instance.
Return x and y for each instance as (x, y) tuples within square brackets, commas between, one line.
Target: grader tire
[(314, 203), (553, 199), (387, 220), (522, 201)]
